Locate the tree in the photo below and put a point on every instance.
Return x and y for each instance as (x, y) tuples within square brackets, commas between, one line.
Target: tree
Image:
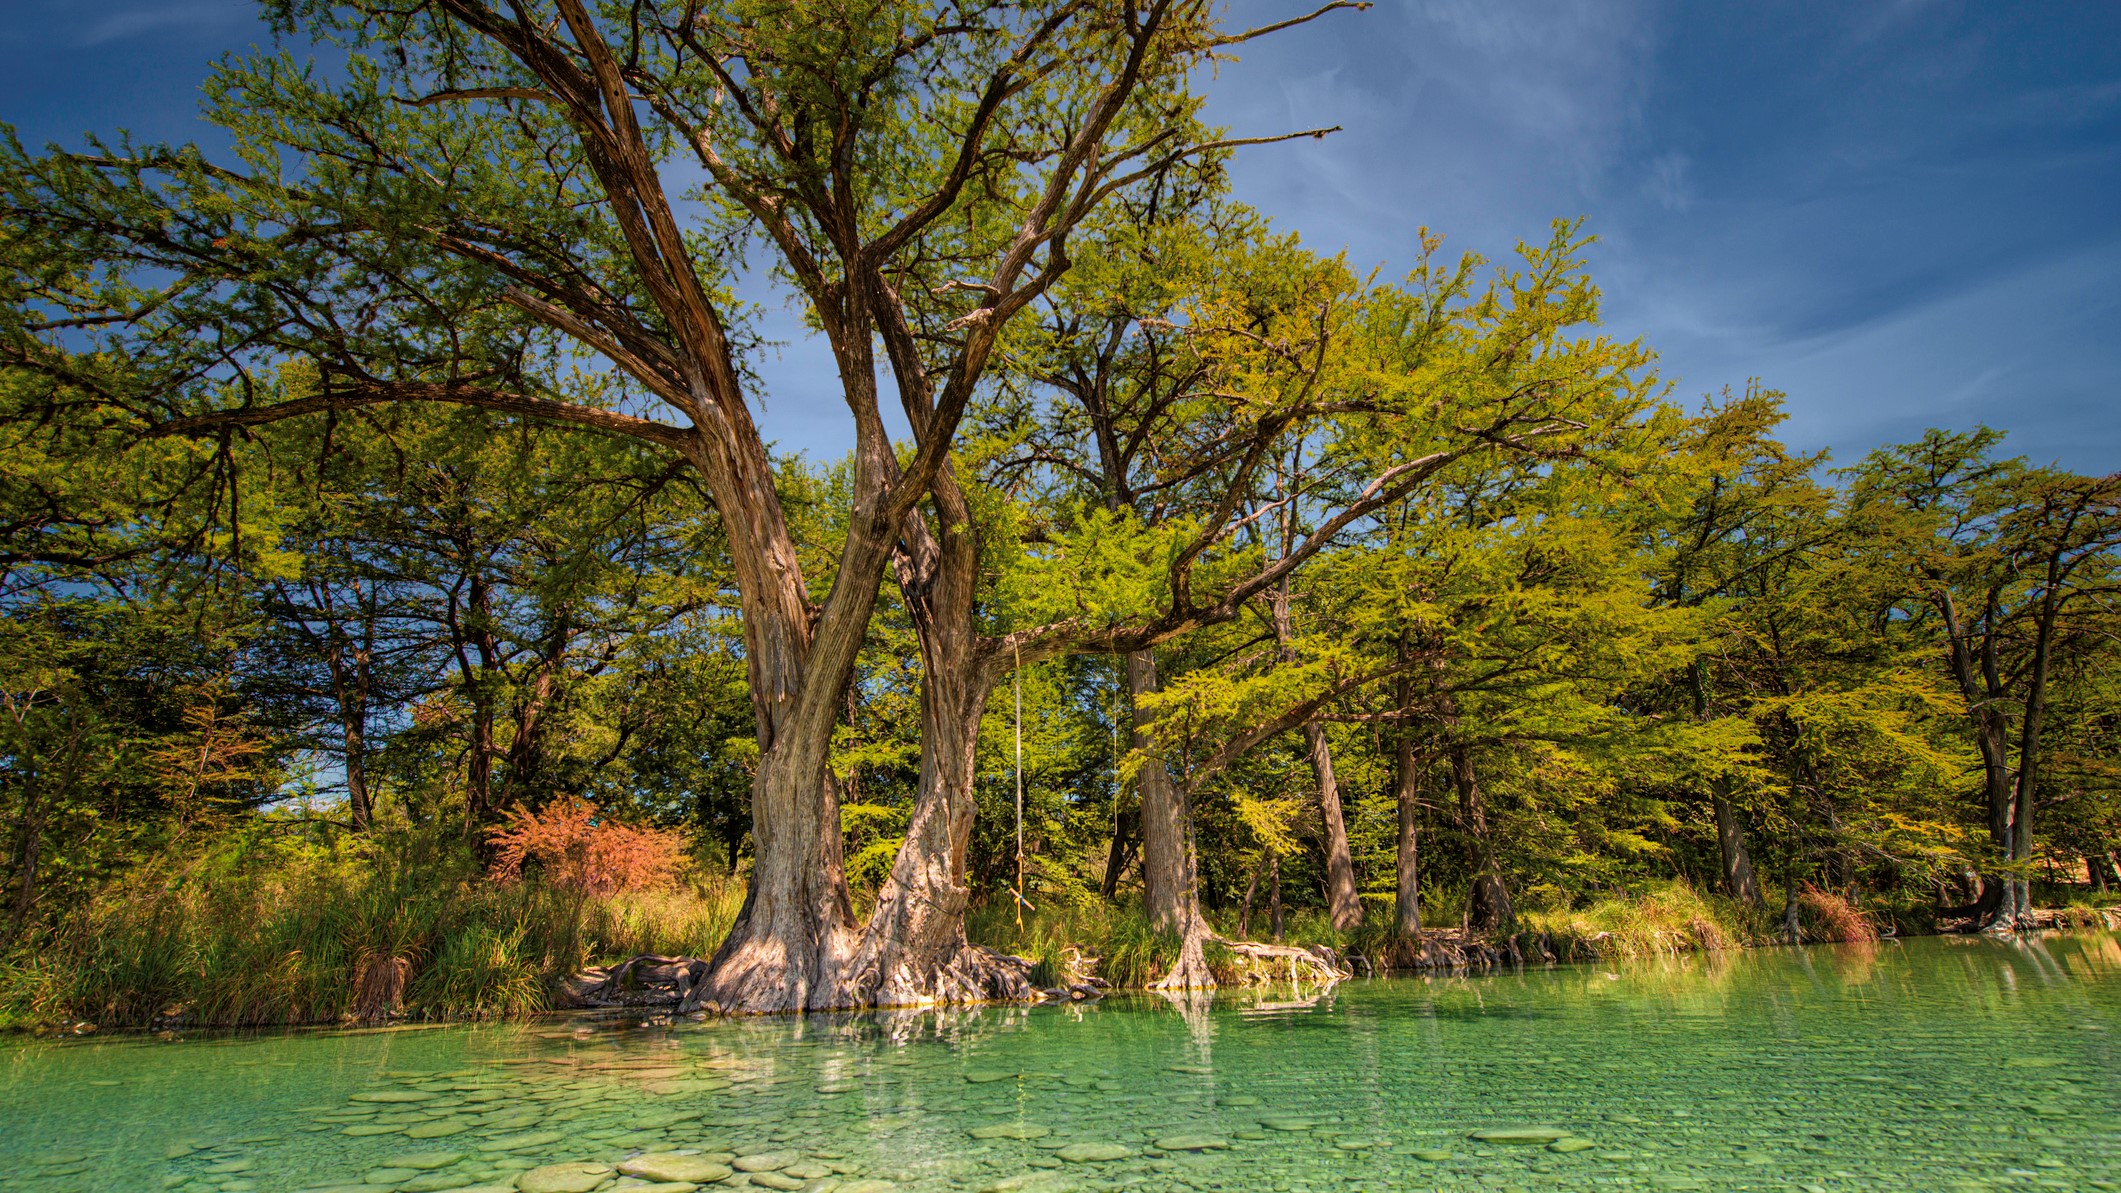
[(2006, 558), (485, 202)]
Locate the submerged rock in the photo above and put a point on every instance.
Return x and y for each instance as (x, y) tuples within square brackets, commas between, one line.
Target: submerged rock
[(1192, 1143), (1011, 1131), (664, 1166), (1093, 1153), (575, 1177), (1571, 1144), (1519, 1135)]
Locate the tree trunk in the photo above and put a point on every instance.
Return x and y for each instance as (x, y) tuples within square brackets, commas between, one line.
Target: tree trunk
[(351, 672), (1489, 910), (794, 938), (1739, 881), (913, 950), (1170, 870), (1407, 901), (1342, 900), (1274, 894), (1343, 903), (1244, 915), (359, 806), (29, 837)]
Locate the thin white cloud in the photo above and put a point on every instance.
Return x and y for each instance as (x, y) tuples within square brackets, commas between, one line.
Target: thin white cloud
[(133, 22)]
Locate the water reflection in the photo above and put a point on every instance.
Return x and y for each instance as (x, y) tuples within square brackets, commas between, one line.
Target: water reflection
[(1901, 1064)]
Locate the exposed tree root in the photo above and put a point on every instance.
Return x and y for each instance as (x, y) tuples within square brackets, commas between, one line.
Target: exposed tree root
[(1314, 964), (643, 981), (975, 973), (1191, 971)]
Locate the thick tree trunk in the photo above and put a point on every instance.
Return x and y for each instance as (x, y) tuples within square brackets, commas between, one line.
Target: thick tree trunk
[(1489, 910), (794, 939), (1168, 865), (913, 950), (1407, 900), (1739, 882)]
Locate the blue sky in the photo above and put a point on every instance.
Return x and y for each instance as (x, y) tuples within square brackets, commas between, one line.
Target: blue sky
[(1904, 213)]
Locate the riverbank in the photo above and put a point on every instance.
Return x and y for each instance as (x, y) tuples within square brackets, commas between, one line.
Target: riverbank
[(328, 937), (320, 939)]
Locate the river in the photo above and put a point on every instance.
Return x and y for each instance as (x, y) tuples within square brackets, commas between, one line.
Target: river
[(1919, 1064)]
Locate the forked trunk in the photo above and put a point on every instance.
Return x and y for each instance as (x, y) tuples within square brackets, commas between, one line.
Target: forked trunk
[(794, 940), (914, 951)]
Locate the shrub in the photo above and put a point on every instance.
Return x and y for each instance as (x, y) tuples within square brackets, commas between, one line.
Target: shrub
[(572, 846)]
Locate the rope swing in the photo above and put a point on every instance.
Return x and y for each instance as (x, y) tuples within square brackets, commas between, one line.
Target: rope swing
[(1017, 678)]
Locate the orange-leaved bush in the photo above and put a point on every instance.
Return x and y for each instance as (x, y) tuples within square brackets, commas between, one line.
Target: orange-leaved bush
[(571, 846)]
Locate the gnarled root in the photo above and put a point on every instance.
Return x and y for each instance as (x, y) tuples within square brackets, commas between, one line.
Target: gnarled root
[(1314, 964), (645, 980), (974, 973)]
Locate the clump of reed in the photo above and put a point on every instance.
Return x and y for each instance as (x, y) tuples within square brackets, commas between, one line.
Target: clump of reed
[(316, 936), (1667, 919), (1826, 916)]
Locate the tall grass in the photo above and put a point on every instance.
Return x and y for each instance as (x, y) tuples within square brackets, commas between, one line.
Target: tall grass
[(287, 940), (1670, 918)]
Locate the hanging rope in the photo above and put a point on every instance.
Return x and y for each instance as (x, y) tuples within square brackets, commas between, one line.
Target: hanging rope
[(1018, 677)]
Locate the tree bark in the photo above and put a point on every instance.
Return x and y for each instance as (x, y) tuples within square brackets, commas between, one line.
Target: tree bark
[(794, 938), (1407, 890), (1739, 881), (1274, 894), (1244, 914), (29, 837), (914, 950), (1489, 910), (1169, 868), (1343, 902)]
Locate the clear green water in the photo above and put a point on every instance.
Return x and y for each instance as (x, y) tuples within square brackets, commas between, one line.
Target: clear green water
[(1919, 1065)]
